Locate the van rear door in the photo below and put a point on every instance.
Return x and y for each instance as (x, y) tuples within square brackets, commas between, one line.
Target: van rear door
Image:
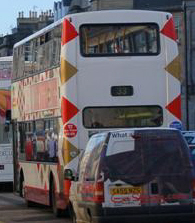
[(122, 161), (149, 171)]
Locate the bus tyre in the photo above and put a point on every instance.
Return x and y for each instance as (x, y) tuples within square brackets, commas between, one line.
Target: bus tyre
[(21, 190), (57, 212), (72, 214), (91, 221), (22, 193), (29, 203)]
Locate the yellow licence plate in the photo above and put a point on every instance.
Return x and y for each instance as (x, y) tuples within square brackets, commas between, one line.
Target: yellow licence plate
[(124, 190)]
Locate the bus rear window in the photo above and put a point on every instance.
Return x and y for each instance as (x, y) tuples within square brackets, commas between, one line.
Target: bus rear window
[(119, 39), (122, 117)]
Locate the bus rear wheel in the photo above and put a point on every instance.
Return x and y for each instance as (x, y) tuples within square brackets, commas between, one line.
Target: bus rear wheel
[(22, 193), (72, 214), (56, 211), (21, 189)]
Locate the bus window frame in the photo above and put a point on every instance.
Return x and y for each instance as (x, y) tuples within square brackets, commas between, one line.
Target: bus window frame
[(120, 54)]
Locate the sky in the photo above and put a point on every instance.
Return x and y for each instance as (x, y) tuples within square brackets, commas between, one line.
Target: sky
[(10, 8)]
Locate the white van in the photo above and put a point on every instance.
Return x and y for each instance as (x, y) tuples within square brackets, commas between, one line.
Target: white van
[(124, 175)]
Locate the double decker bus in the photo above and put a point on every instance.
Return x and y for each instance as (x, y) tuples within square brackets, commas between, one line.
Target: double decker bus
[(6, 155), (86, 73)]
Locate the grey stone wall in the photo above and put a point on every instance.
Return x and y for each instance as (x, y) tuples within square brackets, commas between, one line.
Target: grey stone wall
[(111, 4), (141, 4)]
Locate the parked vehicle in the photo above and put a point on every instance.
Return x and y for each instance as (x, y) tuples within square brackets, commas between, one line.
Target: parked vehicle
[(6, 154), (126, 174), (190, 138)]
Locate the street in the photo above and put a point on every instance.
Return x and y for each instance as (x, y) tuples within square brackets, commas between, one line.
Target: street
[(13, 209)]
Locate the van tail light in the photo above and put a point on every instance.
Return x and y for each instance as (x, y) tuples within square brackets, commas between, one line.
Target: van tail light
[(98, 193), (66, 188)]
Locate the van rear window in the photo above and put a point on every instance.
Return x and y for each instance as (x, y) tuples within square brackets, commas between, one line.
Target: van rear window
[(162, 153)]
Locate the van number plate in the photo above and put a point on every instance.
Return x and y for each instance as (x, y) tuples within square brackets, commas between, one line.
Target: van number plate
[(124, 190)]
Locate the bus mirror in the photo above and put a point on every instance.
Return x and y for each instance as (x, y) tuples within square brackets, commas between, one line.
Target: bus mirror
[(8, 115), (7, 120), (68, 174)]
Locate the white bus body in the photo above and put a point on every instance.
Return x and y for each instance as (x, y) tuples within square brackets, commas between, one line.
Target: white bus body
[(6, 163), (6, 155)]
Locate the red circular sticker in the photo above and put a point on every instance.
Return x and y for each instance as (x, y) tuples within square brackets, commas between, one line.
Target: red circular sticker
[(70, 130)]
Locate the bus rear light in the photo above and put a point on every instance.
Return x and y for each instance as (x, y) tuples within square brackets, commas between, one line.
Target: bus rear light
[(66, 188)]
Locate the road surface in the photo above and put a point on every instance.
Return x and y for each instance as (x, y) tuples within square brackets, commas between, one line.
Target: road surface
[(14, 210)]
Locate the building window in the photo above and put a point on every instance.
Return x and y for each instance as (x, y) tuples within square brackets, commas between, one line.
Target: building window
[(178, 27)]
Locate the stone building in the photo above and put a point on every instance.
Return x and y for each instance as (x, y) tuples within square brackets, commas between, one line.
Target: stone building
[(25, 27), (111, 4)]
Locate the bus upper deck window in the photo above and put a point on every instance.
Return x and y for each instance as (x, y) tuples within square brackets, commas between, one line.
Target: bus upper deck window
[(119, 39)]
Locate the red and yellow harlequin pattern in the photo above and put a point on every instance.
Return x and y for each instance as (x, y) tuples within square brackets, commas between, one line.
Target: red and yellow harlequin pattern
[(24, 108), (69, 108), (173, 68), (22, 111), (21, 99), (37, 175)]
